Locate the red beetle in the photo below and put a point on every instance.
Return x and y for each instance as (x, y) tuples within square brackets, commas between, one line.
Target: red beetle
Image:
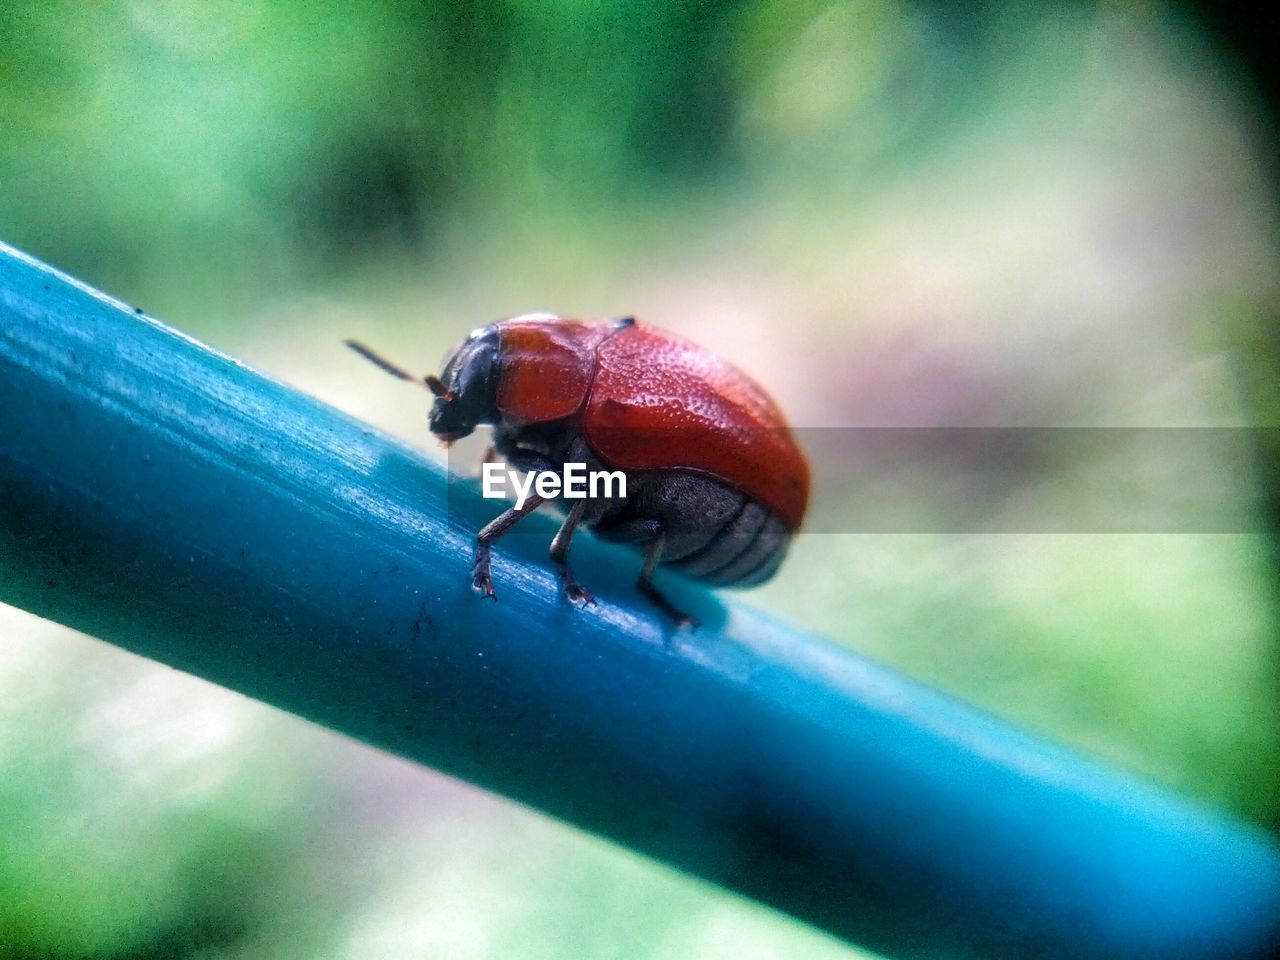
[(716, 484)]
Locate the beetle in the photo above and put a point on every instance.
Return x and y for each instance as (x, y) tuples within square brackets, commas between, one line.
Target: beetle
[(716, 483)]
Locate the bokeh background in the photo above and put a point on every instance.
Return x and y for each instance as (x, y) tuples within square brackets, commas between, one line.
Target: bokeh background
[(893, 213)]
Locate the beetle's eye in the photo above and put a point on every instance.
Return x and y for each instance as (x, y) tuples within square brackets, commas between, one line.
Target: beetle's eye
[(437, 388)]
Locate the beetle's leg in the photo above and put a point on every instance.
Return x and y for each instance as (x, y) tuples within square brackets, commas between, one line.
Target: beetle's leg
[(486, 538), (490, 456), (645, 584), (560, 555)]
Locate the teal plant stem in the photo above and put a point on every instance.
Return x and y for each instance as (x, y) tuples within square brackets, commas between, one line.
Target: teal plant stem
[(167, 499)]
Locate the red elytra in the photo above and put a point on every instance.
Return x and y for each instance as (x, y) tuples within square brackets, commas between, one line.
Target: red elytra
[(650, 400)]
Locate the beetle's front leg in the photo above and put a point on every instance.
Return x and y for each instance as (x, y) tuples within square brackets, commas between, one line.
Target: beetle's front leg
[(485, 539)]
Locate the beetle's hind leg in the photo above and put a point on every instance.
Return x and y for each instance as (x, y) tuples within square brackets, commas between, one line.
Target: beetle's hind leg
[(575, 591), (652, 593), (485, 539)]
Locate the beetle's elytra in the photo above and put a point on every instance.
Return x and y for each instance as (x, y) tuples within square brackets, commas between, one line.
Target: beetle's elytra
[(716, 484)]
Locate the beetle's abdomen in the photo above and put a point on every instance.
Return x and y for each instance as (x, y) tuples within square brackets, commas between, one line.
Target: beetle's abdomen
[(746, 551), (712, 532)]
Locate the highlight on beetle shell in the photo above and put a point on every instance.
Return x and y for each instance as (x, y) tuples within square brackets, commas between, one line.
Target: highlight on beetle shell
[(575, 482)]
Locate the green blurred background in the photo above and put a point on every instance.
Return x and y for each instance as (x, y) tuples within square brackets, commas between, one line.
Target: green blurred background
[(892, 213)]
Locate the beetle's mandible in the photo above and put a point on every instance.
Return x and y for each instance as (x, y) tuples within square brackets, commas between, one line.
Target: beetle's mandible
[(716, 484)]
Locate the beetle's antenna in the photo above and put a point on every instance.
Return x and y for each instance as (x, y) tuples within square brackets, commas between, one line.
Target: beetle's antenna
[(386, 366)]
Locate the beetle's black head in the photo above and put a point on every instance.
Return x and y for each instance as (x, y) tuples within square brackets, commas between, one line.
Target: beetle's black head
[(467, 390)]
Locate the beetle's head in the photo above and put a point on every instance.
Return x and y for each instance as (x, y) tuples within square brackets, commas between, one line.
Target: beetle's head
[(466, 390)]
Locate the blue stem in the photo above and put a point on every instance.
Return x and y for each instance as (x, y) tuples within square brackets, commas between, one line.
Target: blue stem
[(165, 498)]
